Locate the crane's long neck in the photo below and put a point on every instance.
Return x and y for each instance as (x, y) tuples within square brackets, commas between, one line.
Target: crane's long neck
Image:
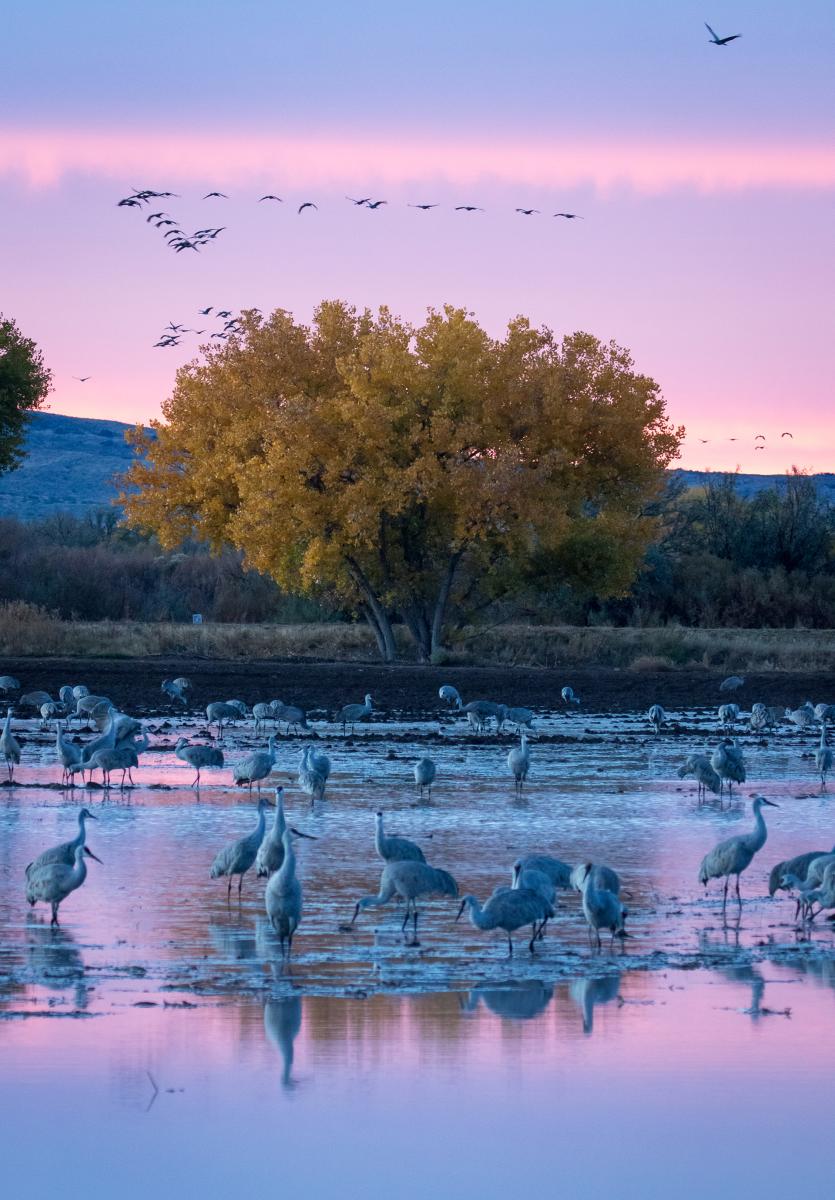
[(79, 871), (760, 833), (262, 822), (287, 870), (279, 823), (7, 724), (379, 836), (476, 914)]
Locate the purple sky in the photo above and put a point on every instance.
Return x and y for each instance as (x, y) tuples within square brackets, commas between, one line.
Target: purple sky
[(705, 177)]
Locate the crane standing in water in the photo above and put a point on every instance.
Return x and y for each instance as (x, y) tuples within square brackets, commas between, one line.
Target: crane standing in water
[(410, 880), (733, 855), (239, 856), (54, 881), (9, 746), (283, 897), (509, 909)]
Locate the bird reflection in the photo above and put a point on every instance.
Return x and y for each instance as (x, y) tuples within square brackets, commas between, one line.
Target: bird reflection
[(282, 1022), (55, 960), (234, 941), (744, 973), (590, 991), (520, 1000)]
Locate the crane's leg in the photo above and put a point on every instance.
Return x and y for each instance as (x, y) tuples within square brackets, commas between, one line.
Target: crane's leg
[(289, 944), (725, 893), (196, 782), (229, 890), (599, 944), (240, 883), (414, 922), (531, 942), (54, 920), (406, 917), (509, 946)]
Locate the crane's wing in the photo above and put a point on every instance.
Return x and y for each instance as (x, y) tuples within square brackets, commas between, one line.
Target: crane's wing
[(712, 32)]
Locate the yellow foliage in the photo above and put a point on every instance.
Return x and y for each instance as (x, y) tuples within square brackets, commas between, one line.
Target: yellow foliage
[(382, 462)]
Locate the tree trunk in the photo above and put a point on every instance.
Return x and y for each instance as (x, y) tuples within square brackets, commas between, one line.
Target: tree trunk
[(439, 615), (376, 615), (418, 627)]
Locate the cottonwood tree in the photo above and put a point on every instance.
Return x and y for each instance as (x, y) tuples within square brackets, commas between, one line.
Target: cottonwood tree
[(24, 385), (390, 466)]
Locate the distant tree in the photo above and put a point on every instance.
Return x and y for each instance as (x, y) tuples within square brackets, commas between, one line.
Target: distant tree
[(393, 466), (25, 383)]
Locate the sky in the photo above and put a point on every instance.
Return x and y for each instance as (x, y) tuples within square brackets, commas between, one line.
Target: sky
[(704, 175)]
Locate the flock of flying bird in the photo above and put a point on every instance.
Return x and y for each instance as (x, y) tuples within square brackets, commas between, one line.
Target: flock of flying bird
[(529, 900)]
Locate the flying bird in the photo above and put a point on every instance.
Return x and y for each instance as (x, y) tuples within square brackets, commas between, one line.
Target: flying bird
[(82, 378), (759, 437), (359, 203), (570, 216), (787, 434), (308, 204), (270, 196), (220, 195), (527, 212), (717, 41), (468, 208), (375, 203), (423, 207), (204, 312)]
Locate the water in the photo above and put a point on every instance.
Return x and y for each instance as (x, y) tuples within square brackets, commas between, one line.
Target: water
[(157, 1042)]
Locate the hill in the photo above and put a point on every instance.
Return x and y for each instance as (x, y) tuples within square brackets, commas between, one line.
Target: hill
[(71, 462)]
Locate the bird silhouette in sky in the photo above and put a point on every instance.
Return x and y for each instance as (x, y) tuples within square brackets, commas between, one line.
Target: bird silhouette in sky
[(759, 437), (468, 208), (82, 378), (219, 195), (527, 212), (223, 313), (717, 41), (270, 196), (375, 203), (308, 204), (423, 207), (704, 441), (359, 203), (570, 216), (787, 434), (204, 312)]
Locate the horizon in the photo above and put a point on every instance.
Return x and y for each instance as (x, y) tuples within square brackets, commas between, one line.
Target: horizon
[(708, 255)]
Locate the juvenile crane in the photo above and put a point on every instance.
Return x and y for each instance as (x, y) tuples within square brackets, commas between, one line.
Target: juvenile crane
[(733, 855), (64, 852), (239, 856)]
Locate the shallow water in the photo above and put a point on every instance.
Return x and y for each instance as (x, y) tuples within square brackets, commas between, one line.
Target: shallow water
[(478, 1071)]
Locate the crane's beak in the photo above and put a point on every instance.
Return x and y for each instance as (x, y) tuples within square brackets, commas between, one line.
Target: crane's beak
[(770, 803), (90, 854), (356, 912), (461, 909), (299, 833)]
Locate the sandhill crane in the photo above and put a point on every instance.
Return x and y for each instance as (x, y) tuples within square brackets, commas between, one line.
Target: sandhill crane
[(557, 871), (239, 856), (88, 706), (797, 866), (759, 719), (656, 717), (425, 772), (220, 713), (174, 690), (807, 892), (603, 879), (55, 881), (198, 757), (519, 763), (291, 714), (729, 765), (263, 712), (533, 880), (522, 718), (568, 696), (122, 757), (314, 772), (801, 717), (699, 767), (733, 855), (728, 715), (64, 852), (601, 908), (8, 683), (351, 713), (283, 897), (479, 712), (394, 849), (256, 766), (409, 880), (732, 683), (508, 909), (824, 894), (49, 711), (69, 755), (9, 746), (823, 758), (270, 854), (824, 713), (35, 699), (80, 690), (448, 694)]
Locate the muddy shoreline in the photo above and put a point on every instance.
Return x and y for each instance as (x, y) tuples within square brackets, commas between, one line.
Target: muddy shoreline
[(407, 689)]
